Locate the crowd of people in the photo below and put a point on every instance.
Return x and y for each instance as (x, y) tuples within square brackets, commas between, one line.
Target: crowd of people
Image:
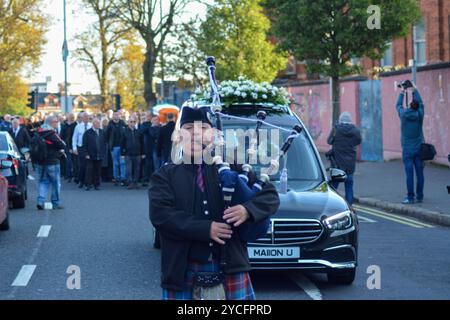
[(119, 147)]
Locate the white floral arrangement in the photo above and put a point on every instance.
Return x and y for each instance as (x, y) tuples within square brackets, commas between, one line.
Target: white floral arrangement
[(246, 91)]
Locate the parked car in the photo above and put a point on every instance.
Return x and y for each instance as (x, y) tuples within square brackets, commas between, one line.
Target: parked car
[(16, 173), (4, 221), (314, 229)]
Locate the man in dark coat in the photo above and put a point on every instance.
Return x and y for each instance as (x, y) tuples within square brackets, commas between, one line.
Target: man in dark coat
[(344, 138), (49, 171), (95, 150), (165, 139), (20, 135), (132, 151), (150, 134), (66, 134), (187, 209), (114, 134)]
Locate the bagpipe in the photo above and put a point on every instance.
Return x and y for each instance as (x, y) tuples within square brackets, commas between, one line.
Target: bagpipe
[(235, 185)]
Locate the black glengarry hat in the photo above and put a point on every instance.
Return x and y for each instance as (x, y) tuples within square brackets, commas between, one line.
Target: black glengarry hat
[(192, 114)]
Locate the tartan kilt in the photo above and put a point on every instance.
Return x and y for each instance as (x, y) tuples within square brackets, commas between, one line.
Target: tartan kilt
[(238, 286)]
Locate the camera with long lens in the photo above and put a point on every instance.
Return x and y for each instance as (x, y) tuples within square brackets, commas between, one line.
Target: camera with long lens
[(405, 85)]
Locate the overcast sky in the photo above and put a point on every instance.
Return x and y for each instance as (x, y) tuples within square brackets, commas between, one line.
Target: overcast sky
[(51, 61)]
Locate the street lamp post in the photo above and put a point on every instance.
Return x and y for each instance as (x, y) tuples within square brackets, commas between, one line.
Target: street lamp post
[(65, 55), (162, 54)]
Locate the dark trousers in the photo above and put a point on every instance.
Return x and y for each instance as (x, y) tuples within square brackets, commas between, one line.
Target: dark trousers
[(148, 167), (81, 165), (133, 164), (93, 171), (348, 188), (69, 165), (75, 170)]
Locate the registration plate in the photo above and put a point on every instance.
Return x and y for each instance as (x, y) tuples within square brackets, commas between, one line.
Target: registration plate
[(273, 252)]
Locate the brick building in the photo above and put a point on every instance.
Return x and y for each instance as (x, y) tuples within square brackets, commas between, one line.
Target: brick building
[(431, 42)]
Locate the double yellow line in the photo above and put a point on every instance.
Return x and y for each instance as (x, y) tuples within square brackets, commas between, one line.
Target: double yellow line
[(396, 218)]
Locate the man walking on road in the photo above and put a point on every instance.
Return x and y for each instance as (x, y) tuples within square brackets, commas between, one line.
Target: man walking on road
[(411, 119), (114, 134), (344, 138), (165, 139), (95, 150), (78, 150), (131, 148), (48, 165)]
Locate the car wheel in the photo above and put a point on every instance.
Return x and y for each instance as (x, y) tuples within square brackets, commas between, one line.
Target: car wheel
[(4, 226), (342, 277), (19, 202), (156, 240)]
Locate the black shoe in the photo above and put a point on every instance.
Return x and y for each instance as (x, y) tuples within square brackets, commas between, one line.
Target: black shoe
[(76, 181), (97, 188), (60, 207), (88, 188), (145, 184), (80, 185), (69, 180), (40, 207), (123, 184)]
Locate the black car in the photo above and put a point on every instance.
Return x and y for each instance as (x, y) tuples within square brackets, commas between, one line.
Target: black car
[(16, 174), (314, 229)]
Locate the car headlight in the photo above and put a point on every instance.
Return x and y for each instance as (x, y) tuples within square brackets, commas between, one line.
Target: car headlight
[(340, 221)]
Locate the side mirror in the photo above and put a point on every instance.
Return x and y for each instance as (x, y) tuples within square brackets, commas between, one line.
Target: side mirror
[(5, 164), (337, 175)]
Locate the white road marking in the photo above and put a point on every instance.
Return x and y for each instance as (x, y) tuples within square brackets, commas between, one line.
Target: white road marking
[(44, 231), (307, 285), (365, 219), (48, 206), (24, 275)]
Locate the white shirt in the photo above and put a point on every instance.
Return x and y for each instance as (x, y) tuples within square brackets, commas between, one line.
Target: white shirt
[(77, 138)]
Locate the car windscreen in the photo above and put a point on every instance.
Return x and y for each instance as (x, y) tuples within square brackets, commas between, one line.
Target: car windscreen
[(302, 164), (3, 143)]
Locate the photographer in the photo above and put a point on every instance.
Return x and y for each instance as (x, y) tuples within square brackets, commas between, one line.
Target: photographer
[(411, 118), (47, 149)]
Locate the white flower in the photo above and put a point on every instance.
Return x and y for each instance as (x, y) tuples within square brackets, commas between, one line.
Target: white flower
[(264, 96), (244, 95), (254, 95), (237, 93)]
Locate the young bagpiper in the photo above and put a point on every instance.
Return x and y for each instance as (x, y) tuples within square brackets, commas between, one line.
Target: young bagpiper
[(203, 256)]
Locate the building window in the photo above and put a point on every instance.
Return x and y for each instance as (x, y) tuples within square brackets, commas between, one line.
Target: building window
[(388, 57), (420, 43)]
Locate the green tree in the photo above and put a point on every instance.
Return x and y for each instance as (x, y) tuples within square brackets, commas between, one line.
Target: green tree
[(22, 38), (327, 34), (236, 33)]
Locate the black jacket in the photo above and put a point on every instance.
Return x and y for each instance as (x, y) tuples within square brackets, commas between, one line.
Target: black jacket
[(22, 139), (54, 146), (94, 145), (165, 140), (67, 133), (150, 137), (131, 144), (114, 133), (171, 195), (344, 139)]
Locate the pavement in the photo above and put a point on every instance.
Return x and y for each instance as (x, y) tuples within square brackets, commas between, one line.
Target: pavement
[(383, 185)]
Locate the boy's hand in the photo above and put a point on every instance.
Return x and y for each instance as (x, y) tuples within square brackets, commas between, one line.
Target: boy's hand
[(236, 215), (220, 231)]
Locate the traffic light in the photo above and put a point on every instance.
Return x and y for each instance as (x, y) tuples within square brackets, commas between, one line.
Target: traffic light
[(32, 99)]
